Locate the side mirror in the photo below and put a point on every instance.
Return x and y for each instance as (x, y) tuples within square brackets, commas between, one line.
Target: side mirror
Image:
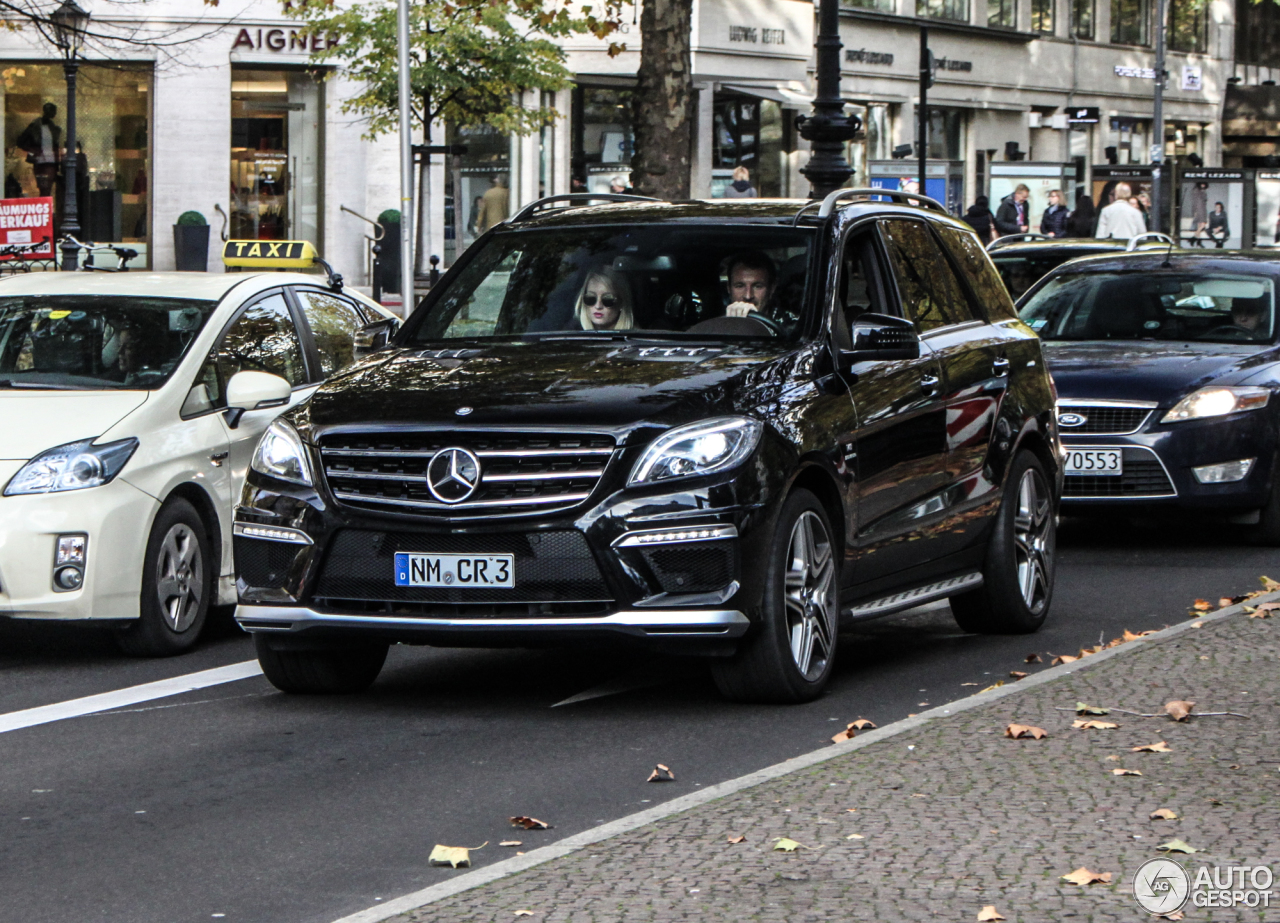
[(255, 391), (373, 337), (880, 338)]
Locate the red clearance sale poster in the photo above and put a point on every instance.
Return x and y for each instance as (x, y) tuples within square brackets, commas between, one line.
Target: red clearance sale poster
[(24, 222)]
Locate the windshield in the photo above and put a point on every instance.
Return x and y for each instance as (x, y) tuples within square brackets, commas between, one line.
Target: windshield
[(74, 341), (1153, 306), (647, 280)]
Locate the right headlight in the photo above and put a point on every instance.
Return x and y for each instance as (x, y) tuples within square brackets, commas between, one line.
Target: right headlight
[(281, 454), (1216, 402), (705, 447)]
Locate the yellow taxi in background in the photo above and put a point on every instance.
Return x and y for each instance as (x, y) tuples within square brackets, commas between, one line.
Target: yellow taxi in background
[(130, 406)]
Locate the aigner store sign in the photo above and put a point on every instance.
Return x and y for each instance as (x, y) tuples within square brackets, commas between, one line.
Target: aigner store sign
[(282, 41)]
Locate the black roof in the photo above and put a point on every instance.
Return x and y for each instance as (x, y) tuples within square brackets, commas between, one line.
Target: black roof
[(1067, 245), (1261, 262)]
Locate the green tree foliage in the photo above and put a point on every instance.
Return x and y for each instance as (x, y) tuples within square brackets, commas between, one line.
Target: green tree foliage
[(470, 58)]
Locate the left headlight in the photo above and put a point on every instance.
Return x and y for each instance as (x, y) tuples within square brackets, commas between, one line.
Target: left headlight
[(281, 454), (73, 466), (1216, 402), (705, 447)]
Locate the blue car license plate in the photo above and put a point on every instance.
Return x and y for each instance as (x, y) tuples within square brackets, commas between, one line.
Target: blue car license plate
[(463, 571)]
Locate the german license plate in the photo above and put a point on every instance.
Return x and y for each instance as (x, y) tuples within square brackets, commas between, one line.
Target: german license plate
[(1095, 462), (463, 571)]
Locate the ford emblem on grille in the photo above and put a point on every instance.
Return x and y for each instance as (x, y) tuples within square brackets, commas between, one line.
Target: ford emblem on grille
[(1072, 419), (453, 474)]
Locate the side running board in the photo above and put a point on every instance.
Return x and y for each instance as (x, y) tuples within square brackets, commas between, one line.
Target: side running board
[(887, 605)]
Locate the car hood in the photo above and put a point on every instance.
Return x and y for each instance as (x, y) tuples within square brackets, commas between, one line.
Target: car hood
[(613, 385), (33, 421), (1147, 371)]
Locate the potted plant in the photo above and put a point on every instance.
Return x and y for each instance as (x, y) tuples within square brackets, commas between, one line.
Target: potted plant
[(191, 242)]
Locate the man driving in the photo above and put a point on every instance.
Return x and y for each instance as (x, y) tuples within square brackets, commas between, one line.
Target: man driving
[(1249, 314), (752, 277)]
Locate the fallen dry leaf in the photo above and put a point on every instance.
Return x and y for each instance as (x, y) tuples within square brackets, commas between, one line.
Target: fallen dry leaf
[(524, 913), (737, 839), (511, 843), (1268, 584), (1230, 601), (1084, 709), (1132, 636), (456, 856), (988, 914), (1017, 731), (1114, 758), (1094, 725), (1086, 651), (1125, 772), (1264, 611), (851, 810), (1234, 766), (862, 724), (1215, 802), (996, 685), (1084, 876), (1179, 710), (855, 836), (1033, 658), (1017, 675), (1158, 747), (1163, 814), (786, 844), (1177, 846), (529, 823), (661, 774), (847, 734), (1197, 624), (1061, 659), (1202, 605), (1175, 915)]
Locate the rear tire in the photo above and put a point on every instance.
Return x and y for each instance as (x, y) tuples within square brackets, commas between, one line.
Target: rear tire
[(177, 585), (790, 654), (327, 671), (1017, 577)]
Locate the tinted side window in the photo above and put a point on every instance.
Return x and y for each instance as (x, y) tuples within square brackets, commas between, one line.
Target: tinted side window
[(931, 294), (334, 323), (263, 339), (859, 289), (983, 277)]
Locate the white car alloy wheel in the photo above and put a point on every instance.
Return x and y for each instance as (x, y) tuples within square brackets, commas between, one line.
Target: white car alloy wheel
[(809, 595), (1032, 527), (180, 577)]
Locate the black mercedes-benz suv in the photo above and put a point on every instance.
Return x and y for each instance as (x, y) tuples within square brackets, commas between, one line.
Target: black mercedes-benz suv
[(718, 428)]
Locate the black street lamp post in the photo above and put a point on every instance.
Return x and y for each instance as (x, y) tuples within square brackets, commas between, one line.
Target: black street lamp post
[(69, 24), (828, 128)]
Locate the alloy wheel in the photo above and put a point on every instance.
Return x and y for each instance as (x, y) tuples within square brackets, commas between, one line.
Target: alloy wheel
[(810, 598), (1033, 529), (180, 577)]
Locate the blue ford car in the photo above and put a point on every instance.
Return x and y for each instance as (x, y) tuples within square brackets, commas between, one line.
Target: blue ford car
[(1166, 364)]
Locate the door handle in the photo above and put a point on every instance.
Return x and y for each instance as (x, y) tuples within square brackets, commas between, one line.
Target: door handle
[(929, 384), (218, 458), (1000, 368)]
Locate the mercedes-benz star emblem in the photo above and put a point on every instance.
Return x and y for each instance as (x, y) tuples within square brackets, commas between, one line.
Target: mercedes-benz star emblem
[(453, 474), (1071, 419), (462, 411)]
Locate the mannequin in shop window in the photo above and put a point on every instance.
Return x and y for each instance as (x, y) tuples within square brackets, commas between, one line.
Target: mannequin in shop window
[(41, 140)]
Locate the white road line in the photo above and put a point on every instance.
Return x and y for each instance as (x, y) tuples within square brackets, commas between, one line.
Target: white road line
[(132, 695)]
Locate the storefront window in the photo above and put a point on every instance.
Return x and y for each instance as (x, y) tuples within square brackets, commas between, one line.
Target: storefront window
[(1188, 26), (603, 138), (477, 186), (112, 143), (946, 133), (1082, 18), (954, 10), (276, 117), (881, 6), (1000, 14), (1129, 22), (1257, 33), (1042, 16), (749, 132)]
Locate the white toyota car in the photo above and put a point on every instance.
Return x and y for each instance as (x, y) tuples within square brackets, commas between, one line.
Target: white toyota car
[(130, 406)]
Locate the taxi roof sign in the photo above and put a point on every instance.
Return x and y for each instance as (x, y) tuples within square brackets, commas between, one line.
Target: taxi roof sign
[(269, 254)]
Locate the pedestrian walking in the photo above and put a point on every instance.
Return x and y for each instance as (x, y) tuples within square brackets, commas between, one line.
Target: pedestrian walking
[(1011, 217), (1054, 221), (494, 204), (1120, 219), (1082, 221), (979, 218), (741, 187)]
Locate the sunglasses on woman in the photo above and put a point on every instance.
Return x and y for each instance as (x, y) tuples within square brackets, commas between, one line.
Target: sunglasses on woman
[(589, 299)]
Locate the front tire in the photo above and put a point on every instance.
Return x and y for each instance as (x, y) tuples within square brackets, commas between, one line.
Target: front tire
[(790, 656), (177, 584), (323, 671), (1017, 583)]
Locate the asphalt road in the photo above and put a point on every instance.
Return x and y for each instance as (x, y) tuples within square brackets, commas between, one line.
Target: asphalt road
[(236, 802)]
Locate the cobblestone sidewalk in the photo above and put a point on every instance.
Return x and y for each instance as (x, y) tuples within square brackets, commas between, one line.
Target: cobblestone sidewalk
[(951, 816)]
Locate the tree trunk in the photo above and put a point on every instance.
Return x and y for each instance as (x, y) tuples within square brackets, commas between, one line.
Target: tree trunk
[(664, 113)]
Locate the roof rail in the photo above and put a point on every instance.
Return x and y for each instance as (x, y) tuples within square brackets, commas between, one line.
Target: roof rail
[(897, 196), (1149, 235), (1016, 238), (578, 198)]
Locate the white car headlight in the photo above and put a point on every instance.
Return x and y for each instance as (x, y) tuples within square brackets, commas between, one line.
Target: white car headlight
[(698, 448), (1216, 402), (281, 454), (73, 466)]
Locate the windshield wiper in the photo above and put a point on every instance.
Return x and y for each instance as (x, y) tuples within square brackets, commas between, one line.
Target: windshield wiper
[(41, 386)]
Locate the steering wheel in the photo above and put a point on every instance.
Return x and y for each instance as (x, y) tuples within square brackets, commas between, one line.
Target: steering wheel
[(1230, 332), (775, 329)]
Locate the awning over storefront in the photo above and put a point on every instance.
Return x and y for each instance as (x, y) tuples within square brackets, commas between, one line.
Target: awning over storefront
[(1251, 112), (791, 94)]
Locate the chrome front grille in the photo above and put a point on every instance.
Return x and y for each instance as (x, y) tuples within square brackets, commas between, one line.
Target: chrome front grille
[(1104, 418), (520, 473)]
